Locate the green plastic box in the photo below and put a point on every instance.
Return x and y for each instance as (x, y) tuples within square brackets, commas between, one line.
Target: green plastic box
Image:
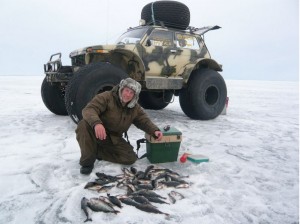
[(197, 158), (165, 150)]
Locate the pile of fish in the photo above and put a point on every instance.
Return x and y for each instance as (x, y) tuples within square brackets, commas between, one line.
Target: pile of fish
[(139, 186)]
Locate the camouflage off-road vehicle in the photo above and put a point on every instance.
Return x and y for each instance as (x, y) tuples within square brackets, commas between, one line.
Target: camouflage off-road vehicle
[(164, 55)]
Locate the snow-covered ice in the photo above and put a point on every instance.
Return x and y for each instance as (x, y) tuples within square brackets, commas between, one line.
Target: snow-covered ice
[(252, 175)]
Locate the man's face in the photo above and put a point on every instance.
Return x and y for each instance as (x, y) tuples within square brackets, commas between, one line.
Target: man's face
[(127, 94)]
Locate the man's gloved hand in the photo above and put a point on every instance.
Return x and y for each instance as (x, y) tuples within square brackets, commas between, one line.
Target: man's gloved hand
[(100, 131), (158, 135)]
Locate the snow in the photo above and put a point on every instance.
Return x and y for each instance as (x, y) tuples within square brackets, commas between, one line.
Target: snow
[(252, 175)]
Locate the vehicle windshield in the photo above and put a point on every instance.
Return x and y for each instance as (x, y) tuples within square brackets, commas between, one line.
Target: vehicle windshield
[(132, 36)]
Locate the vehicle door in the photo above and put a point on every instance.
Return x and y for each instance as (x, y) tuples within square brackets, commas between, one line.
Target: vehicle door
[(187, 49), (158, 51)]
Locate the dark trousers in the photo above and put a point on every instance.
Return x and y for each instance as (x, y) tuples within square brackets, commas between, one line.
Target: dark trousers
[(93, 148)]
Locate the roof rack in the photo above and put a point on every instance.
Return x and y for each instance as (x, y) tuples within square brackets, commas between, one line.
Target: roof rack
[(166, 24), (191, 29)]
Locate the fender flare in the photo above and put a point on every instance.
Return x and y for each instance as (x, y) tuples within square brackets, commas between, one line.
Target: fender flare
[(200, 63), (131, 55)]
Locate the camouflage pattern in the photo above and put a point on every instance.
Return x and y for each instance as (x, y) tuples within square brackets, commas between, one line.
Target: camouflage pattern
[(157, 57)]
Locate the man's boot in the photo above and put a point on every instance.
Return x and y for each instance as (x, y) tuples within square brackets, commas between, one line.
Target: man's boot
[(86, 169)]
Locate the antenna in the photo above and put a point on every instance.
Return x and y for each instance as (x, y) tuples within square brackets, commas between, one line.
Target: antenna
[(107, 20)]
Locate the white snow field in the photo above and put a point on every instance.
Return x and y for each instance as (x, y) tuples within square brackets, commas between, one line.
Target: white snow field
[(252, 175)]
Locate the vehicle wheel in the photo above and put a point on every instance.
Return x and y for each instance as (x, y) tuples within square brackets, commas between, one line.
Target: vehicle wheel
[(174, 14), (155, 100), (205, 96), (53, 97), (87, 82)]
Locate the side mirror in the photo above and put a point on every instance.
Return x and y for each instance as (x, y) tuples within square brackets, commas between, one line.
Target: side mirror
[(148, 43)]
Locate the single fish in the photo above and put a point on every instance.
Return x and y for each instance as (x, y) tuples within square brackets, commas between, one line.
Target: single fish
[(145, 186), (120, 176), (121, 185), (91, 184), (140, 175), (133, 170), (135, 181), (174, 178), (105, 188), (130, 188), (147, 193), (178, 176), (176, 195), (172, 172), (159, 185), (106, 200), (102, 182), (99, 188), (99, 205), (84, 207), (168, 178), (172, 198), (154, 183), (128, 201), (161, 176), (108, 177), (183, 186), (148, 176), (170, 183), (114, 200), (147, 170), (122, 196), (127, 172), (140, 199), (150, 209), (156, 200), (143, 181), (157, 172)]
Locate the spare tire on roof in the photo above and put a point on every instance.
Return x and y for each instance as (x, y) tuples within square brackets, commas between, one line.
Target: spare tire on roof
[(172, 13)]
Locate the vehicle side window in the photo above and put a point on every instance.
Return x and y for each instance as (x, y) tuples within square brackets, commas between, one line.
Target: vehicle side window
[(161, 38), (200, 42), (186, 41)]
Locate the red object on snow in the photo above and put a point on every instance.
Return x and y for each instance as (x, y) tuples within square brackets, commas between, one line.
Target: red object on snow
[(183, 158)]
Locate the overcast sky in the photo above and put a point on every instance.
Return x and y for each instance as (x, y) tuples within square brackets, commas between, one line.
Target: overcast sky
[(259, 39)]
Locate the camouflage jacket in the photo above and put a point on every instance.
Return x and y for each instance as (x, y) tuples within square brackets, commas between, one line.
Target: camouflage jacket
[(106, 108)]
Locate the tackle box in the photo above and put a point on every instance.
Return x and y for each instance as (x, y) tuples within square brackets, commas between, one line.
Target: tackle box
[(165, 150)]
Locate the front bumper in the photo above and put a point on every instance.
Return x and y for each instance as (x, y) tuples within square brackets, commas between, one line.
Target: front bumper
[(55, 71)]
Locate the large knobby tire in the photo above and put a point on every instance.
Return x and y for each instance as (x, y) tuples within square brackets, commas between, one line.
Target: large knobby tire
[(155, 100), (205, 96), (53, 97), (87, 82), (172, 13)]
